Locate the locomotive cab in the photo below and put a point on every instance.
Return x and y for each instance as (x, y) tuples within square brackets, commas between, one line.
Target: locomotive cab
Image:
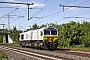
[(50, 38)]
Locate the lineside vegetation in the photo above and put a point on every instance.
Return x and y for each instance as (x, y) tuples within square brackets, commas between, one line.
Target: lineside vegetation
[(71, 35), (3, 56)]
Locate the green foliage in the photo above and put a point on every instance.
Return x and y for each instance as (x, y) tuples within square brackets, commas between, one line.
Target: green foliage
[(3, 56), (1, 38), (72, 34), (35, 26), (42, 26), (14, 34)]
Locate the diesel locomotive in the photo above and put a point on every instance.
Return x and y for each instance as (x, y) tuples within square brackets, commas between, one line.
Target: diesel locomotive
[(43, 38)]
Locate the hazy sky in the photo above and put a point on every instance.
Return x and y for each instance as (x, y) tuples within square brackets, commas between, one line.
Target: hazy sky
[(47, 11)]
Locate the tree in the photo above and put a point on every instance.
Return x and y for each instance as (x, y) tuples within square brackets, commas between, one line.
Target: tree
[(35, 26), (71, 34), (42, 26), (14, 34)]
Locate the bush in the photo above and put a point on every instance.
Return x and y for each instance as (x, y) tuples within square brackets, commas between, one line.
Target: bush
[(3, 56)]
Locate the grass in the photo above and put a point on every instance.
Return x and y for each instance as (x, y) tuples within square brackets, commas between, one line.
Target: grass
[(78, 47), (3, 56), (83, 48)]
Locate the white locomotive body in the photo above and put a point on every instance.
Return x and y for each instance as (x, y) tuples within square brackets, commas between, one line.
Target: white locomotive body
[(46, 38)]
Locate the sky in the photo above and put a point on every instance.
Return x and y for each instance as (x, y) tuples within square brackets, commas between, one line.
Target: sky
[(42, 12)]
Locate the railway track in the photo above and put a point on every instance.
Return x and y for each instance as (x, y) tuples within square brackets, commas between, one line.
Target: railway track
[(74, 52), (32, 54), (51, 55)]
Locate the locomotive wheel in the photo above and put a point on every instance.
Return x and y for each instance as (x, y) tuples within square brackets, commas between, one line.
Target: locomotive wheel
[(36, 47), (51, 47), (44, 46)]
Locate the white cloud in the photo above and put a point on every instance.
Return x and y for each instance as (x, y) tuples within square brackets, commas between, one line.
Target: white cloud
[(23, 6), (38, 5), (72, 8)]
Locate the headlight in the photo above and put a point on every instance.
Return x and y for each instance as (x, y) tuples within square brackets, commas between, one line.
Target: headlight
[(45, 38), (55, 39)]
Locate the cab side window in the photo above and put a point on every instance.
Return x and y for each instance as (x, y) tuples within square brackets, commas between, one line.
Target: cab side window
[(22, 36), (41, 33)]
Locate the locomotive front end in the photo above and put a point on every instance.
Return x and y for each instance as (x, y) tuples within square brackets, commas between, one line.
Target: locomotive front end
[(50, 38)]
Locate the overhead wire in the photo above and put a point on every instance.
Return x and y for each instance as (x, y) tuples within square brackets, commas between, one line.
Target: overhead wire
[(11, 7), (40, 10), (8, 13), (22, 14), (80, 13), (17, 18), (53, 13), (77, 16), (67, 8), (84, 2), (36, 14), (74, 16), (6, 8), (56, 5), (60, 11), (33, 15)]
